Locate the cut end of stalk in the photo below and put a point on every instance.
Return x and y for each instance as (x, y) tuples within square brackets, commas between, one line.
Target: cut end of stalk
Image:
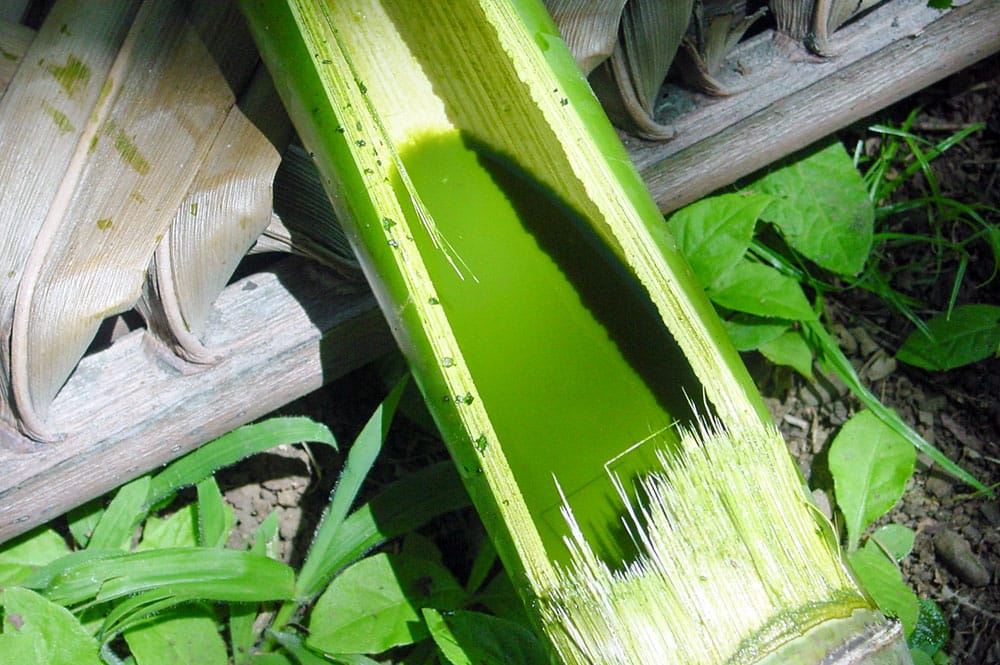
[(734, 563)]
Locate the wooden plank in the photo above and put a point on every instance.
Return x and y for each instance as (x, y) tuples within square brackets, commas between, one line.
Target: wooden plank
[(791, 99), (134, 406)]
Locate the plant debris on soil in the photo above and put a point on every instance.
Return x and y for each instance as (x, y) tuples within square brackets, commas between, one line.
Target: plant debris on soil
[(957, 553)]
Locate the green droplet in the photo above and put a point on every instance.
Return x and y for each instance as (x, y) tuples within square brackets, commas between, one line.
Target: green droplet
[(194, 209), (481, 443), (387, 223), (433, 301), (104, 223), (447, 361)]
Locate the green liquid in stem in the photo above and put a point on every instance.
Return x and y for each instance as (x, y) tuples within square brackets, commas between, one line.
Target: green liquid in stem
[(574, 366)]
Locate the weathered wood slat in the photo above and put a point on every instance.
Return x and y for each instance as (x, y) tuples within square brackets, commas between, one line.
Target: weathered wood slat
[(792, 99), (134, 406)]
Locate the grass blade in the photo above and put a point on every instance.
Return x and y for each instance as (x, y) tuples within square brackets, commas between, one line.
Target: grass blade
[(231, 448), (316, 570), (120, 518), (206, 573), (834, 358)]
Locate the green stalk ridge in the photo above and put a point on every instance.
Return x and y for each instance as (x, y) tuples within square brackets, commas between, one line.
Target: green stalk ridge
[(559, 339)]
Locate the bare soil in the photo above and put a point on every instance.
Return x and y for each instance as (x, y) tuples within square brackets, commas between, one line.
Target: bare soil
[(957, 555)]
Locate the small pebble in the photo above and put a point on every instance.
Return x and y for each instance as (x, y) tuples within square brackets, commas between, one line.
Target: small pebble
[(991, 511), (866, 344), (939, 486), (956, 554)]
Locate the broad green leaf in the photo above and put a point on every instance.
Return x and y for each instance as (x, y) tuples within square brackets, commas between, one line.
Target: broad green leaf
[(122, 515), (931, 631), (206, 573), (748, 332), (758, 289), (215, 516), (36, 630), (231, 448), (790, 349), (884, 583), (180, 636), (920, 658), (375, 604), (870, 464), (21, 557), (969, 334), (714, 233), (896, 539), (83, 520), (822, 209), (316, 570), (180, 529), (474, 638)]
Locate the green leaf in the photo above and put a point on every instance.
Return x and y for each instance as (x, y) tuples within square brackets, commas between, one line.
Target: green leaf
[(122, 515), (474, 638), (231, 448), (180, 529), (500, 598), (714, 233), (401, 507), (83, 520), (884, 583), (790, 349), (822, 209), (179, 636), (758, 289), (304, 656), (265, 538), (895, 539), (316, 570), (931, 631), (273, 659), (748, 332), (375, 604), (486, 557), (36, 630), (206, 573), (21, 557), (971, 333), (870, 464), (242, 635), (834, 359), (920, 658), (215, 516)]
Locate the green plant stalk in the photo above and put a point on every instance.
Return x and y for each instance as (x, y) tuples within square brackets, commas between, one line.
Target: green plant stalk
[(559, 339)]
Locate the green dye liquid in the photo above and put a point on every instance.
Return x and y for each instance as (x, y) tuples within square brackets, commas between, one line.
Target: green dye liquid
[(571, 360)]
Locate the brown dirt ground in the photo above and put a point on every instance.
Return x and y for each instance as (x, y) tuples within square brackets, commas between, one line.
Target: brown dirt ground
[(957, 411)]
